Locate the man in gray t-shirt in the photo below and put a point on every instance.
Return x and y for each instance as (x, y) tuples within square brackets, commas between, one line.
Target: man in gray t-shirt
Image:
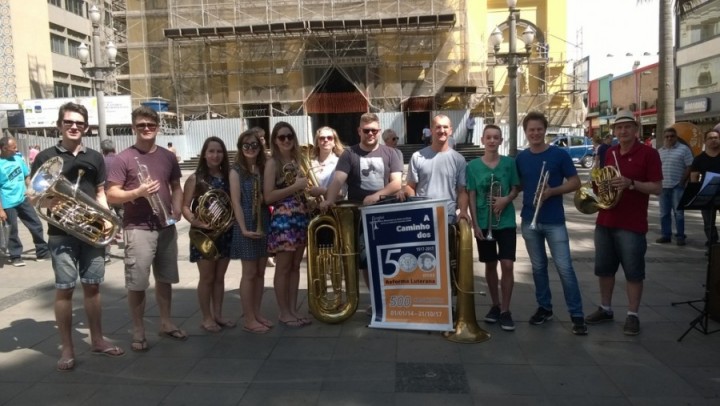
[(438, 171)]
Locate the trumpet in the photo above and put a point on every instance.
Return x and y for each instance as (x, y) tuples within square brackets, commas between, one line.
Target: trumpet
[(537, 200), (156, 203), (494, 192)]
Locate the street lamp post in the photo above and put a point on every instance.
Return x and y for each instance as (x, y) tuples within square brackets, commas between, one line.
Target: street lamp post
[(99, 70), (640, 100), (512, 58)]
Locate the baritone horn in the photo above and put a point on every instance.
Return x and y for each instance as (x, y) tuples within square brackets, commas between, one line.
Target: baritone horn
[(494, 192), (467, 329), (214, 209), (332, 264), (73, 211), (537, 199)]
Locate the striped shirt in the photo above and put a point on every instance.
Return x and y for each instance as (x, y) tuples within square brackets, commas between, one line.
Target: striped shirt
[(675, 160)]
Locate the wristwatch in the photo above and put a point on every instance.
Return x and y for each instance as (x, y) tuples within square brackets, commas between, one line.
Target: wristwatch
[(632, 184)]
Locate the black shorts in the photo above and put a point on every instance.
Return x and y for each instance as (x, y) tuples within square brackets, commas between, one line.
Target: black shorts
[(502, 247)]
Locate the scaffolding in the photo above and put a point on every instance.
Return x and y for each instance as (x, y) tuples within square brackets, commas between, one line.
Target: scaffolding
[(279, 57)]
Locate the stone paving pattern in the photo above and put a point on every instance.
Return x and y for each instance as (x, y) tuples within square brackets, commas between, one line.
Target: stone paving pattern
[(350, 364)]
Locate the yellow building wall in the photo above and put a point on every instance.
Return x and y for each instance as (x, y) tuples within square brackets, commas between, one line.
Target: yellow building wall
[(33, 58)]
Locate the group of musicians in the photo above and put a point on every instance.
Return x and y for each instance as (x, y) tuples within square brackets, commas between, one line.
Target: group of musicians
[(271, 205)]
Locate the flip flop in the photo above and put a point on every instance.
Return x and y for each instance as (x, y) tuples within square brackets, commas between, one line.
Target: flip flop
[(176, 334), (297, 323), (139, 345), (257, 330), (305, 321), (212, 329), (226, 323), (66, 365), (112, 351)]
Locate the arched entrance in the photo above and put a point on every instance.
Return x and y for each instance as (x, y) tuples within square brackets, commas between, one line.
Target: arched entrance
[(336, 102)]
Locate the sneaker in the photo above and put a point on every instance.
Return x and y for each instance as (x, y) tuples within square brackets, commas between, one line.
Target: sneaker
[(680, 242), (663, 240), (493, 315), (632, 325), (42, 259), (579, 327), (107, 258), (18, 262), (506, 321), (599, 316), (541, 316), (270, 262)]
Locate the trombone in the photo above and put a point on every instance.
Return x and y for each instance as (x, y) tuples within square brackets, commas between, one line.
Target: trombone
[(494, 192), (537, 200)]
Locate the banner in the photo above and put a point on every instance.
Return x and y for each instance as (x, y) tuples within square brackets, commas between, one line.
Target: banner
[(409, 262)]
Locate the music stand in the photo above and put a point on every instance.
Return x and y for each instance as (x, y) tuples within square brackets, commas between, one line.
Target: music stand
[(703, 196)]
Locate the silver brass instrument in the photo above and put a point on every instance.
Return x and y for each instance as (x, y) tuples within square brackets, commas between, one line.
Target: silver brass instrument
[(537, 199), (333, 291), (494, 192), (214, 209), (4, 236), (156, 203), (73, 211)]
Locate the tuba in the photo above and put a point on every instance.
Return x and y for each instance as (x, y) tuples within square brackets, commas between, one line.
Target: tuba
[(75, 212), (332, 268), (467, 329), (494, 192), (214, 209), (589, 202)]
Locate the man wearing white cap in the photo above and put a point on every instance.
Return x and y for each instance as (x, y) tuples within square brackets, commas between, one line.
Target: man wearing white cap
[(620, 232)]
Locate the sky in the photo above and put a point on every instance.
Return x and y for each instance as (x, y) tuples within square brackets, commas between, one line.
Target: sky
[(617, 27)]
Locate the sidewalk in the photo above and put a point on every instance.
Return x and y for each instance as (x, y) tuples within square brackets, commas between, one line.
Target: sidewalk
[(350, 364)]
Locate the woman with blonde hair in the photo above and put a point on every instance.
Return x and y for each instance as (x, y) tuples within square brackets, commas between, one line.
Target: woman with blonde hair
[(249, 234), (284, 188), (325, 155)]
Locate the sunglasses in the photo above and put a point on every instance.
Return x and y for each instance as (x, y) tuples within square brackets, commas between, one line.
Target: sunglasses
[(69, 123), (285, 137), (370, 130), (149, 126), (250, 146), (326, 138)]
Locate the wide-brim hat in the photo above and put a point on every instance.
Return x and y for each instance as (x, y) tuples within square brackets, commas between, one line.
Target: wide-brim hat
[(625, 116)]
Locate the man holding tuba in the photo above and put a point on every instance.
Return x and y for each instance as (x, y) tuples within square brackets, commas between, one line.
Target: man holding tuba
[(150, 237), (620, 232), (546, 174), (72, 257)]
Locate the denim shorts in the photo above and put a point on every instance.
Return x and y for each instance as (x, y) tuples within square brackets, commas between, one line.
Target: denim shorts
[(150, 248), (615, 247), (503, 245), (72, 258)]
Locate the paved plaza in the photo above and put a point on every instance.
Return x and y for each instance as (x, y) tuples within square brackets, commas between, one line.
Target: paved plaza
[(350, 364)]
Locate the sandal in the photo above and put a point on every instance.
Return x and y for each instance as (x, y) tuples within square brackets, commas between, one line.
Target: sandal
[(139, 345), (297, 323), (65, 365)]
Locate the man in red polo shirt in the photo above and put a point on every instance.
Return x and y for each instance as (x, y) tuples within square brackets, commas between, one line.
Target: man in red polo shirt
[(620, 232)]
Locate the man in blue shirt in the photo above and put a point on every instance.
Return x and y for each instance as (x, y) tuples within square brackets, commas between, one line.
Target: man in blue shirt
[(14, 178)]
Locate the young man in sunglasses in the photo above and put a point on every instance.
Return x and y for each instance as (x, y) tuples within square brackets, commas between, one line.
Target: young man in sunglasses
[(370, 170), (150, 233), (73, 258)]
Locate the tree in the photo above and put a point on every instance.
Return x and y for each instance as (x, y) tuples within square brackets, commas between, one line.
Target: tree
[(666, 66)]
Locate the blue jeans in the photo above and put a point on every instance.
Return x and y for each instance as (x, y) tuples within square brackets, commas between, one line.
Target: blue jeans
[(26, 213), (669, 199), (557, 239)]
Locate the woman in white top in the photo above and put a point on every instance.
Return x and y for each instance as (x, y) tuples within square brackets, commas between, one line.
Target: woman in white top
[(325, 154)]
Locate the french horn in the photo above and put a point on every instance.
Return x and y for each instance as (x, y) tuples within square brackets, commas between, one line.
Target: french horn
[(71, 210), (214, 209), (587, 201)]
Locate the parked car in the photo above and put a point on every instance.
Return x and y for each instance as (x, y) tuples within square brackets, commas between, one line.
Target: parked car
[(580, 148)]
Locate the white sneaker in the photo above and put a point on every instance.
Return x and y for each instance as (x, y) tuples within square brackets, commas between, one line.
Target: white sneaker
[(271, 262)]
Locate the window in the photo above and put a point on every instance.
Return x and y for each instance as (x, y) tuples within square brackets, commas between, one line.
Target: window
[(698, 78), (75, 7), (73, 48), (79, 91), (61, 89), (57, 44), (56, 3), (700, 25)]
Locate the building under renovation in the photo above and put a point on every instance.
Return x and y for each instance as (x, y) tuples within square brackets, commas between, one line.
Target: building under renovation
[(328, 61)]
